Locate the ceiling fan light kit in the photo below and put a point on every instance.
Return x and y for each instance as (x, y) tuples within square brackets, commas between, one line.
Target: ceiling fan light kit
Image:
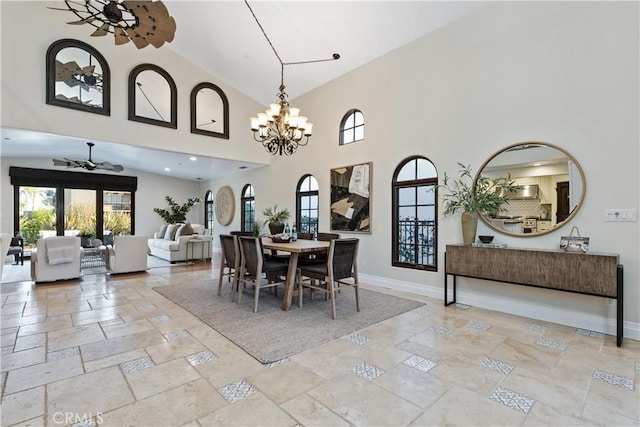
[(88, 164), (142, 22)]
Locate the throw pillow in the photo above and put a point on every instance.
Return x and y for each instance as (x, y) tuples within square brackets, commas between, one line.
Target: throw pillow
[(171, 231), (184, 230), (163, 230)]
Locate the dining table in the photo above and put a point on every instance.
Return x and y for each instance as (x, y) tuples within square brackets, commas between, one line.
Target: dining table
[(295, 249)]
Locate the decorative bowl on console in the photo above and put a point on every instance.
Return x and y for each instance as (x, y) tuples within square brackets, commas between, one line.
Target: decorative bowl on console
[(486, 239)]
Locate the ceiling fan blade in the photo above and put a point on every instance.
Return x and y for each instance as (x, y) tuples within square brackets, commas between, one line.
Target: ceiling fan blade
[(102, 31), (82, 21), (120, 36), (109, 167), (58, 162)]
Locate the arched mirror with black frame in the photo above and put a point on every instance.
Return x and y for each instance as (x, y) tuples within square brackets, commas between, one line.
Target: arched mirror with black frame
[(209, 111), (77, 77), (551, 188), (153, 96)]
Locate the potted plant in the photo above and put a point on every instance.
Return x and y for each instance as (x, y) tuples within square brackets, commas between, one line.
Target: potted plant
[(178, 212), (276, 218), (86, 237), (474, 198)]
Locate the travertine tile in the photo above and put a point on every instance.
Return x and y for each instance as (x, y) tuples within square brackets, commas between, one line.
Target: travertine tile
[(92, 393), (75, 336), (285, 381), (309, 412), (20, 359), (43, 373), (159, 378), (22, 406), (174, 349), (255, 410)]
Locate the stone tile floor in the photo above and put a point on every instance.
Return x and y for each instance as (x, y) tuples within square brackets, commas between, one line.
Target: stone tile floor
[(108, 350)]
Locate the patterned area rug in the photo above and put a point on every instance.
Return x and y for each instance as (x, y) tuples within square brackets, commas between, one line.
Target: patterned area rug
[(272, 334)]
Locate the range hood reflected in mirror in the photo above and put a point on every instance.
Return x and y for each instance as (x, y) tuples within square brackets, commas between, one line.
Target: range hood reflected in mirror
[(523, 192)]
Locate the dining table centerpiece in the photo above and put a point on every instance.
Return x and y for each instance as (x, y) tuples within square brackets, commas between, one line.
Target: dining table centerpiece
[(481, 196), (276, 218)]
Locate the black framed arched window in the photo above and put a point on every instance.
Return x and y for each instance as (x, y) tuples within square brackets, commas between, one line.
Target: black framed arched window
[(208, 210), (352, 127), (414, 217), (153, 96), (307, 205), (247, 208)]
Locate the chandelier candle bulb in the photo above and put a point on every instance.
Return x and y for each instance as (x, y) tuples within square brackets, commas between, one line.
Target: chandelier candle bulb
[(302, 122), (308, 129), (254, 124)]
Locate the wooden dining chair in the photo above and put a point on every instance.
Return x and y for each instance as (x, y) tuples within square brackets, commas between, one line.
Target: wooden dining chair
[(256, 271), (341, 268), (230, 261)]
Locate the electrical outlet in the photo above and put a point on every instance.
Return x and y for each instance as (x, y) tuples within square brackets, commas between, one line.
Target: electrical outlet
[(618, 215)]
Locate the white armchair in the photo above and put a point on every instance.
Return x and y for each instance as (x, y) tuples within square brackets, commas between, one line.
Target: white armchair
[(56, 258), (128, 254)]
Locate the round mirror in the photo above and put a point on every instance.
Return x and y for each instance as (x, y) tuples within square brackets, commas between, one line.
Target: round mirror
[(551, 188)]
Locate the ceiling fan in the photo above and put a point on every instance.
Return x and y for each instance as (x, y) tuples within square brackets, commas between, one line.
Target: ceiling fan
[(88, 164)]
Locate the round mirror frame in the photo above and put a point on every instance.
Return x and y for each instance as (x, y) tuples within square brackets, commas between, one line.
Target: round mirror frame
[(557, 226)]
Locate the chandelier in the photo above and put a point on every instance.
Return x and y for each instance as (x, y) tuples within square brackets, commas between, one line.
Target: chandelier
[(281, 129)]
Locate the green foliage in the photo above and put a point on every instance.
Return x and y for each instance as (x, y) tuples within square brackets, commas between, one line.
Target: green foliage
[(481, 196), (257, 228), (34, 222), (275, 215), (118, 223), (178, 212), (81, 217)]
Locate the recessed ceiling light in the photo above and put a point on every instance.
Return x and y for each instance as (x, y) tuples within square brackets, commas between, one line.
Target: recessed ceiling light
[(193, 158), (243, 167), (537, 164), (167, 169)]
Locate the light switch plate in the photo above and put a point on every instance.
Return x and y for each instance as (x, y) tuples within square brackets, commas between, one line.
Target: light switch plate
[(619, 215)]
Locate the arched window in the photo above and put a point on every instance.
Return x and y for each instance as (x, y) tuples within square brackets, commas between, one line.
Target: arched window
[(248, 208), (414, 204), (307, 205), (352, 127), (208, 210)]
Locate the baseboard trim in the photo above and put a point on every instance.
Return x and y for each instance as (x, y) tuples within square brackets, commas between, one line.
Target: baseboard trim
[(602, 319)]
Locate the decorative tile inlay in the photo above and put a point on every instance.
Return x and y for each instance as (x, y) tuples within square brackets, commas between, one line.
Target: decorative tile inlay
[(176, 335), (442, 330), (478, 325), (200, 358), (551, 344), (462, 306), (366, 371), (534, 327), (420, 363), (158, 319), (61, 354), (277, 362), (588, 333), (637, 366), (613, 379), (237, 391), (136, 365), (89, 422), (512, 399), (496, 365), (358, 339)]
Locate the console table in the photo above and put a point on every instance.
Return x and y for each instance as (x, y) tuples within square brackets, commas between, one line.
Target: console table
[(583, 273)]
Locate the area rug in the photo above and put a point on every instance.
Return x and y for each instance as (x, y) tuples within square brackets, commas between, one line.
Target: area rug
[(272, 334)]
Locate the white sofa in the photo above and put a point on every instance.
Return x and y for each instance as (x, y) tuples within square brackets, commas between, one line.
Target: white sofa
[(56, 258), (179, 248), (128, 254)]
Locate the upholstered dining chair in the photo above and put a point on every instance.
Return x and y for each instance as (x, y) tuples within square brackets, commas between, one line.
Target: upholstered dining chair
[(341, 268), (321, 257), (256, 271), (229, 263)]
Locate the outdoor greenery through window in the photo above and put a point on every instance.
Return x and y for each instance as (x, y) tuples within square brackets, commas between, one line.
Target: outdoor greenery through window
[(248, 208), (352, 127), (307, 205), (414, 206)]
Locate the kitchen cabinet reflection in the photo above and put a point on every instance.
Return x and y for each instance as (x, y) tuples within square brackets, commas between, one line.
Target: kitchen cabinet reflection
[(552, 188)]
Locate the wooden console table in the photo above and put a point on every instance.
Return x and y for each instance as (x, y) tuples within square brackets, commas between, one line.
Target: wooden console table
[(583, 273)]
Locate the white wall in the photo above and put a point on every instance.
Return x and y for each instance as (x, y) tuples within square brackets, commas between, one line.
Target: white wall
[(509, 73), (560, 72)]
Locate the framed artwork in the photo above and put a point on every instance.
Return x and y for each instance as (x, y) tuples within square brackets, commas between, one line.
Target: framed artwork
[(209, 111), (77, 77), (351, 198), (153, 96)]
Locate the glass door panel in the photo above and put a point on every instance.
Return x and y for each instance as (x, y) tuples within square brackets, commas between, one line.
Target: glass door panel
[(116, 211), (37, 212)]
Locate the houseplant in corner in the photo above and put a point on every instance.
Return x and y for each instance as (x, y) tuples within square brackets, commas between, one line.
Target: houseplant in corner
[(473, 198), (276, 218)]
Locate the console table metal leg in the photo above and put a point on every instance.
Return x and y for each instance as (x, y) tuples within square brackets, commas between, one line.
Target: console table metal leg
[(619, 306), (446, 289)]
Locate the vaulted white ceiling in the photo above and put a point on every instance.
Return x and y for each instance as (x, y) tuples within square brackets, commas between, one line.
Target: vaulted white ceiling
[(223, 38)]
